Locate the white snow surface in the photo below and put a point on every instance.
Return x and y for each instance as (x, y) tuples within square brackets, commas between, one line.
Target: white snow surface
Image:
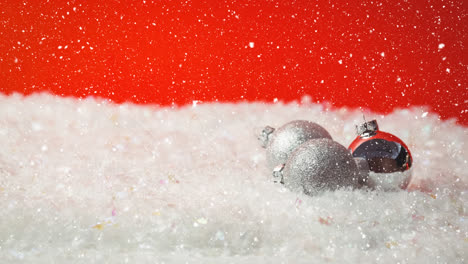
[(87, 181)]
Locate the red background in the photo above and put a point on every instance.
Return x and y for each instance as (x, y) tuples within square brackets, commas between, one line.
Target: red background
[(380, 55)]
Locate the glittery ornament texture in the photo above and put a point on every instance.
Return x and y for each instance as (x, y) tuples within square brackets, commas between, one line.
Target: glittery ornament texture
[(318, 165), (290, 136)]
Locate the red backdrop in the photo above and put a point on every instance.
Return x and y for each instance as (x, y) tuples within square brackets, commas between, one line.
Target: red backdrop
[(380, 55)]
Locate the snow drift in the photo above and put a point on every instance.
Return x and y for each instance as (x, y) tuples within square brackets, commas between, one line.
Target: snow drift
[(86, 181)]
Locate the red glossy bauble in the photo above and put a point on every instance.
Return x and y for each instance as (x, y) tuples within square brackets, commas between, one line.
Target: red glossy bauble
[(388, 157)]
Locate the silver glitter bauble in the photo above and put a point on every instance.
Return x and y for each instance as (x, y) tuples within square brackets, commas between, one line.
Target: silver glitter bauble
[(319, 165), (282, 142)]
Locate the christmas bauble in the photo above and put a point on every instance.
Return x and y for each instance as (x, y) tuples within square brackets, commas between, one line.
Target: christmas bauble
[(389, 159), (318, 165), (281, 142)]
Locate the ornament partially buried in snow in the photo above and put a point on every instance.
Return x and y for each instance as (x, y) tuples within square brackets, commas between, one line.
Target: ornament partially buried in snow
[(388, 158), (280, 143), (319, 165)]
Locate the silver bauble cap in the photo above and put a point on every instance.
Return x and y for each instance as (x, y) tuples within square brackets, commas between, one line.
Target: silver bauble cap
[(283, 141), (264, 137), (367, 129), (319, 165)]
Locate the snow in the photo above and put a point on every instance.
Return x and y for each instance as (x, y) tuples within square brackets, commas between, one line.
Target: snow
[(86, 181)]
